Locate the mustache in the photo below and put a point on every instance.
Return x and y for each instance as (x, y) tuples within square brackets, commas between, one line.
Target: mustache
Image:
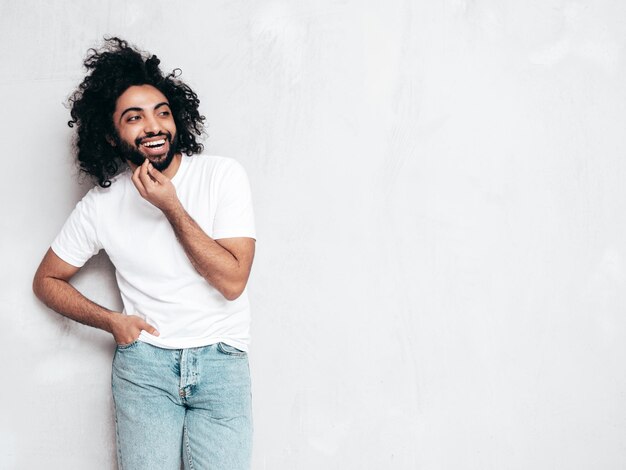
[(166, 134)]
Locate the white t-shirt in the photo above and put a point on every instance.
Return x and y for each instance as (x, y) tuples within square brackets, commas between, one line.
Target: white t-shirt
[(156, 279)]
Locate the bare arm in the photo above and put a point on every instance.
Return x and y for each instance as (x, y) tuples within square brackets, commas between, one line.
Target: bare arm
[(224, 263), (51, 285)]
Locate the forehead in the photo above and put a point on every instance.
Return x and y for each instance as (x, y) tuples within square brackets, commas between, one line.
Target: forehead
[(139, 96)]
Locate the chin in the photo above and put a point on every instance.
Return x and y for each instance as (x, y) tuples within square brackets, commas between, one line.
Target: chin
[(163, 161)]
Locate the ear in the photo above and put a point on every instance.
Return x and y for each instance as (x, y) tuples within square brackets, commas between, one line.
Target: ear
[(111, 140)]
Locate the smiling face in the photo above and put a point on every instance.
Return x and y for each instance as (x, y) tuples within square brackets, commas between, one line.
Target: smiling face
[(144, 127)]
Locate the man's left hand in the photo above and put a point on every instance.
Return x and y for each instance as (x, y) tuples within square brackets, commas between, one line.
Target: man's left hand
[(155, 187)]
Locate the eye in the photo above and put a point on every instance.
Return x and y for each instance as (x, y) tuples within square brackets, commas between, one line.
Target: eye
[(133, 118), (165, 113)]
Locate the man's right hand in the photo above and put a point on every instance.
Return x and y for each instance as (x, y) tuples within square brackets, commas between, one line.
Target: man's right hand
[(51, 284), (126, 328)]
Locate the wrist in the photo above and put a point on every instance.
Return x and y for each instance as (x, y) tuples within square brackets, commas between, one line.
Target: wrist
[(111, 321), (173, 210)]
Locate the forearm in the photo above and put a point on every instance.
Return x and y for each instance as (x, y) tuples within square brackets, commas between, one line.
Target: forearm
[(218, 266), (63, 298), (225, 264)]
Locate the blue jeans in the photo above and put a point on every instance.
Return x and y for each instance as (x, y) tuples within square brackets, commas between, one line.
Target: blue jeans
[(191, 404)]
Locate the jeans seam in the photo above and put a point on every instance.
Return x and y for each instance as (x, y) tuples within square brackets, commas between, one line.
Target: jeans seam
[(119, 447), (221, 349), (123, 347), (187, 447)]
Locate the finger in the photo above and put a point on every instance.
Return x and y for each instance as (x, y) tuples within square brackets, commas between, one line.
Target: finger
[(143, 174), (149, 328), (157, 175), (137, 182)]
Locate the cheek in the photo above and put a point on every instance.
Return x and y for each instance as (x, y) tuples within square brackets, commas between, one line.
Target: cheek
[(128, 137), (171, 124)]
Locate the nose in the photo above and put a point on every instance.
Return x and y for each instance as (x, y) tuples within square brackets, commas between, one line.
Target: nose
[(151, 125)]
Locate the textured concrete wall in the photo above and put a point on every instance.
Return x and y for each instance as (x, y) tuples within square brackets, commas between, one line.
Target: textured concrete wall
[(440, 274)]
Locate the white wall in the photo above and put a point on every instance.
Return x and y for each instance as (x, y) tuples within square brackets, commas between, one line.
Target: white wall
[(439, 191)]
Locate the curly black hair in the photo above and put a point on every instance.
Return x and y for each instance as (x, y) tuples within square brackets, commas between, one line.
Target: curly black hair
[(111, 71)]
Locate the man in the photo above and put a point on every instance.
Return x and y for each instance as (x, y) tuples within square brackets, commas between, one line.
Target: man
[(178, 227)]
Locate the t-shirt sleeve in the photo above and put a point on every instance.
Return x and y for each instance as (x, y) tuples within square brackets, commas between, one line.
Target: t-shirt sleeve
[(78, 240), (234, 216)]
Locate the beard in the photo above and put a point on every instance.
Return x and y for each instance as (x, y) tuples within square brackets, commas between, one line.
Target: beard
[(132, 153)]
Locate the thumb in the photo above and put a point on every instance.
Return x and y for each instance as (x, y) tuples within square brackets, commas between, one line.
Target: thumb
[(149, 329)]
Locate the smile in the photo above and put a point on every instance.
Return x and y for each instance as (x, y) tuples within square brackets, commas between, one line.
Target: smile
[(154, 144)]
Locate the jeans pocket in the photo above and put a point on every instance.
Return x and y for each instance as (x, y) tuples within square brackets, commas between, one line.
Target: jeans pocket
[(230, 350), (124, 347)]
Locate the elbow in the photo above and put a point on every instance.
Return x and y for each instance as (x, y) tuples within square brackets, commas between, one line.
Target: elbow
[(35, 288), (231, 295), (233, 291), (38, 287)]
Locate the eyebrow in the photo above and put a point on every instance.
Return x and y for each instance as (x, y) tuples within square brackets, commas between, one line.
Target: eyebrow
[(128, 110)]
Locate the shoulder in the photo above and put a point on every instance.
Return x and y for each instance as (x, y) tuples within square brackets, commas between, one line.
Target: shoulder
[(117, 187)]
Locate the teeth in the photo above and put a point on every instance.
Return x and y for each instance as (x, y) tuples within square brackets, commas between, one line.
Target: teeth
[(156, 143)]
